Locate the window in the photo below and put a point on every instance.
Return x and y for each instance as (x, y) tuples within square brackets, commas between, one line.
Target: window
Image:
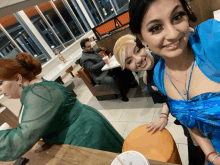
[(69, 19), (80, 16), (7, 48), (43, 29), (105, 8), (56, 23), (120, 5), (20, 36), (93, 13)]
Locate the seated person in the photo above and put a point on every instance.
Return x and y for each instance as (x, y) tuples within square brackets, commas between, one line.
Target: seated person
[(50, 112), (131, 54), (92, 61)]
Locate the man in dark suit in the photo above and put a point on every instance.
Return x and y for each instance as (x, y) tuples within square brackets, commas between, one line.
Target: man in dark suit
[(92, 61)]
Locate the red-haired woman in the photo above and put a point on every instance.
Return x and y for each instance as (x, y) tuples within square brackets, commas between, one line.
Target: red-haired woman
[(49, 111)]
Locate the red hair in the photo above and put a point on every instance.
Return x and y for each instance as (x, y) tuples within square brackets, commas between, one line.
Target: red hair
[(29, 67)]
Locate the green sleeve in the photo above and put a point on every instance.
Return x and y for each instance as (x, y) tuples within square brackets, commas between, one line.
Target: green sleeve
[(40, 106)]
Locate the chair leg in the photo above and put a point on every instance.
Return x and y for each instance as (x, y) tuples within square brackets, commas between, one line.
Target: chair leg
[(72, 74)]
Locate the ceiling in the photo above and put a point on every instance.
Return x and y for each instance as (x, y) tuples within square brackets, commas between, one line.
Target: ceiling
[(5, 3), (8, 7)]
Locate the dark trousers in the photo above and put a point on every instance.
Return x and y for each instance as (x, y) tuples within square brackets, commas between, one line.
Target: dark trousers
[(195, 153), (108, 80)]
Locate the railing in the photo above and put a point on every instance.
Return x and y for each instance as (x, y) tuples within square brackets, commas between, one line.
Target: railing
[(116, 23)]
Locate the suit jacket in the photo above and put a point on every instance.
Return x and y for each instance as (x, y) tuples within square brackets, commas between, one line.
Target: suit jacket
[(93, 63)]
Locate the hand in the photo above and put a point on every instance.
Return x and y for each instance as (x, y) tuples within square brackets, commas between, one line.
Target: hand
[(10, 127), (103, 48), (159, 124), (216, 161), (110, 55)]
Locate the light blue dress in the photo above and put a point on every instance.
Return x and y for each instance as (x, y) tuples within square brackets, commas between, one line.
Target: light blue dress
[(202, 111)]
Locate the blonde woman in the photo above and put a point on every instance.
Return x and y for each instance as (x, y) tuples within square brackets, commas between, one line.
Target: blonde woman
[(132, 55)]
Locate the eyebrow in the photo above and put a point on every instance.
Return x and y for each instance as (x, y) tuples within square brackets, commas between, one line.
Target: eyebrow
[(157, 20)]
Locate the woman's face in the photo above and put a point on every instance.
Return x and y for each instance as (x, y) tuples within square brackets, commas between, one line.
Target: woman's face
[(137, 59), (165, 28), (10, 89)]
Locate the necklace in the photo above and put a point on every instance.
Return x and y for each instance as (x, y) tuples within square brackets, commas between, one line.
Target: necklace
[(185, 87)]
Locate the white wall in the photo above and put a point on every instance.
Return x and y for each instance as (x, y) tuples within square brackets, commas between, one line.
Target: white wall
[(71, 50)]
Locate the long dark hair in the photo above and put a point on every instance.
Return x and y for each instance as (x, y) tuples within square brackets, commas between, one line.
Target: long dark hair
[(138, 8)]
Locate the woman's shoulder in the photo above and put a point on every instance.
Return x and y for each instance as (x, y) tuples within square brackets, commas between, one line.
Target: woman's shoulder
[(45, 89), (205, 42)]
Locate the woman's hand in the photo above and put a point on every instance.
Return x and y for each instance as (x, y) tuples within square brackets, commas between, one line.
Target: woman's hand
[(216, 161), (145, 77), (159, 124)]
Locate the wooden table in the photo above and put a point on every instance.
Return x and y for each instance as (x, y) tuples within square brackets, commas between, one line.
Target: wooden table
[(72, 155)]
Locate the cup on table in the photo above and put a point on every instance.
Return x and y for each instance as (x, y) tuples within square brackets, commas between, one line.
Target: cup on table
[(106, 60), (130, 157)]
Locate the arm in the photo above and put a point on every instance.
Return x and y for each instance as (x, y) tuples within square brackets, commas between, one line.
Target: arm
[(38, 113), (162, 122), (205, 144), (91, 67)]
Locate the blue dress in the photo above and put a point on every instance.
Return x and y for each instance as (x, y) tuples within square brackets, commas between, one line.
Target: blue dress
[(202, 111)]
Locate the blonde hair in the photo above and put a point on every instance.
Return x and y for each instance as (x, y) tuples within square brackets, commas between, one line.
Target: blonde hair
[(120, 47)]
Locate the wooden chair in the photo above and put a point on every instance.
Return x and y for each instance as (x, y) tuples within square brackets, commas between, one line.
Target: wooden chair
[(159, 146)]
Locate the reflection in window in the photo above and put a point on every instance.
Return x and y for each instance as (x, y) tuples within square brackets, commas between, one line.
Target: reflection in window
[(20, 36), (56, 23), (70, 20), (80, 16), (105, 8), (120, 5), (91, 10), (43, 29), (7, 48)]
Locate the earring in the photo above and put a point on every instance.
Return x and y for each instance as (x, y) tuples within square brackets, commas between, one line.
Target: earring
[(191, 30), (20, 85)]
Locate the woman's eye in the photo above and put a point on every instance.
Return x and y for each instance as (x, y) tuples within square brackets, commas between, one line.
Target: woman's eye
[(156, 29), (179, 16), (1, 82), (129, 61)]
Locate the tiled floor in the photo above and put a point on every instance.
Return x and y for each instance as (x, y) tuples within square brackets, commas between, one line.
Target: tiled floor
[(126, 116)]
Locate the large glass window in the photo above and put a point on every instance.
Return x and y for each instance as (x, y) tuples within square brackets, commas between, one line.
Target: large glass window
[(69, 19), (91, 10), (7, 48), (43, 29), (80, 16), (56, 23), (25, 42), (105, 8), (120, 5)]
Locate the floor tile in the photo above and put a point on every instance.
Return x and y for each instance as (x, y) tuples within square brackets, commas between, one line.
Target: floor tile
[(183, 151), (119, 126), (138, 115), (131, 126), (84, 98), (177, 133), (112, 115)]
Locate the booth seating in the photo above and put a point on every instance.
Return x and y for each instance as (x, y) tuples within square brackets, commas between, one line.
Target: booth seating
[(100, 91), (159, 146)]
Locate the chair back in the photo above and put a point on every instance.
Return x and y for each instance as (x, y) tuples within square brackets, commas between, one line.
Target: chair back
[(159, 146)]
